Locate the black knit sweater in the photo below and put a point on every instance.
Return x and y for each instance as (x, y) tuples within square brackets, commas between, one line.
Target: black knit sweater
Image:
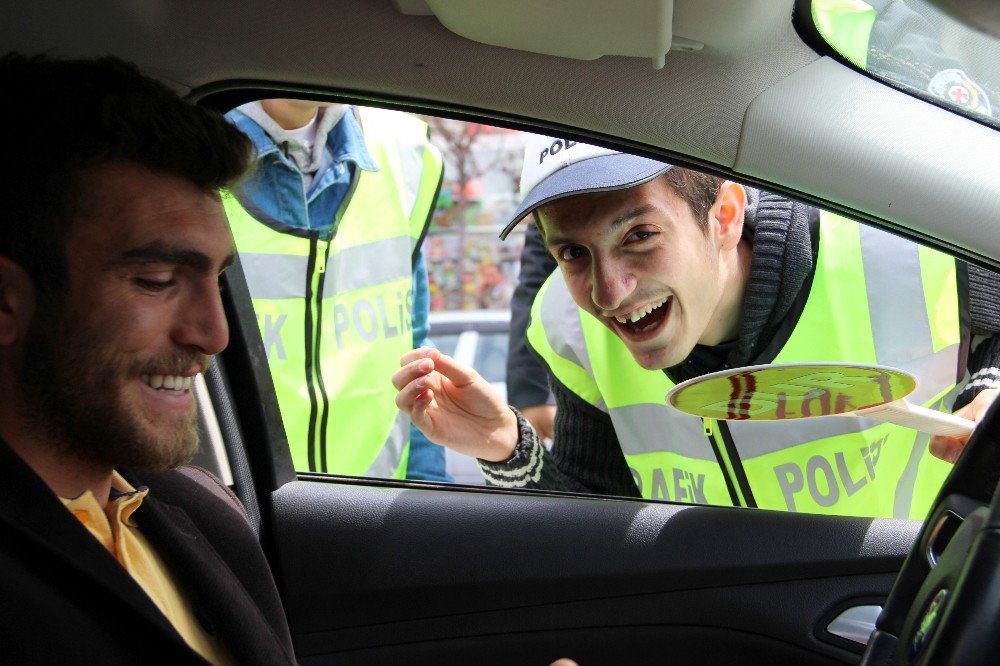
[(587, 457)]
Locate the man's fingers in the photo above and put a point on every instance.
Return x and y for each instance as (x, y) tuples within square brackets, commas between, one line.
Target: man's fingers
[(407, 395), (412, 394), (950, 448), (413, 370), (419, 381), (947, 448), (459, 374), (424, 360), (416, 403), (977, 409), (418, 353), (980, 405), (418, 415)]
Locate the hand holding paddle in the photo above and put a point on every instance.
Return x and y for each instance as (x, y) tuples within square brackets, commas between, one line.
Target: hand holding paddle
[(789, 391)]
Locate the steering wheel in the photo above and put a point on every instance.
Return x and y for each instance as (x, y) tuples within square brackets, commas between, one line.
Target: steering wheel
[(944, 607)]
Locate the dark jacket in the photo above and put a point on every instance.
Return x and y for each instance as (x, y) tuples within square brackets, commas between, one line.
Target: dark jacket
[(65, 599), (527, 378)]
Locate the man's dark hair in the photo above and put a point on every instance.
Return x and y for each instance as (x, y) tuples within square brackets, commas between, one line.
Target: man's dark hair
[(699, 190), (64, 118)]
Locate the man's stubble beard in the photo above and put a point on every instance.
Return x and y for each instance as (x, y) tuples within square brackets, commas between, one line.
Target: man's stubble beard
[(72, 389)]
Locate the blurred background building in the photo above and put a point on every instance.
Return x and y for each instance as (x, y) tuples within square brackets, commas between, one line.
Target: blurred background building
[(468, 266)]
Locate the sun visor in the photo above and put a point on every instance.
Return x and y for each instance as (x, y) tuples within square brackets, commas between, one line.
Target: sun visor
[(584, 29)]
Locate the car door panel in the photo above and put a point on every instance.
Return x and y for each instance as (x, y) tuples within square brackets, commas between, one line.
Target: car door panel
[(383, 574)]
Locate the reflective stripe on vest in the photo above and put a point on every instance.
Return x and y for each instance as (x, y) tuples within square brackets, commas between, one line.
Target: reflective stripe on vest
[(281, 275), (875, 298), (335, 314)]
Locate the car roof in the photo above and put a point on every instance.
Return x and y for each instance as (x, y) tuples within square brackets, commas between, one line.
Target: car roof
[(756, 102)]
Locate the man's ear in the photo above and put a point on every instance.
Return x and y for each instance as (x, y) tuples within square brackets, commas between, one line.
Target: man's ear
[(728, 213), (17, 302)]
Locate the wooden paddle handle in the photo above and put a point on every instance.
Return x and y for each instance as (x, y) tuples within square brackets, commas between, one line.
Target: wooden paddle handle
[(923, 419)]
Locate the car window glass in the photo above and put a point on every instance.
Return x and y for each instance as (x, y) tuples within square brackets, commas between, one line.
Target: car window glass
[(491, 356), (917, 47), (446, 342), (355, 232), (343, 283)]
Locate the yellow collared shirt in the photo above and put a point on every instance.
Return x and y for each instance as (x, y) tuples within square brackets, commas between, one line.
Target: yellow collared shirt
[(116, 531)]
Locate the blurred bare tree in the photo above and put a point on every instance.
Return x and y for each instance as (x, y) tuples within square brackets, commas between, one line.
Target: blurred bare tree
[(457, 140), (471, 151)]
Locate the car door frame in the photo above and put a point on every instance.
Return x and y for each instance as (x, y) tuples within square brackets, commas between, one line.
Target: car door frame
[(376, 570)]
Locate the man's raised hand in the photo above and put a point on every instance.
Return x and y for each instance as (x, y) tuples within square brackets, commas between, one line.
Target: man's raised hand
[(454, 406)]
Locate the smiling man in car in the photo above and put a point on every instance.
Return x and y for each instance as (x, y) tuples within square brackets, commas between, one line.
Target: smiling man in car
[(112, 241), (668, 274)]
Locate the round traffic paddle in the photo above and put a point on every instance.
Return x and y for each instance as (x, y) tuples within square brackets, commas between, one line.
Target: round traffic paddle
[(785, 391)]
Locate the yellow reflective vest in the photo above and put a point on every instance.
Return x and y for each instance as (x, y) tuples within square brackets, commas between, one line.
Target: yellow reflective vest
[(874, 298), (335, 310)]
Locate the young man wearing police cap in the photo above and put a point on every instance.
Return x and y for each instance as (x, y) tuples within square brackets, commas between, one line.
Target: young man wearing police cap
[(667, 274)]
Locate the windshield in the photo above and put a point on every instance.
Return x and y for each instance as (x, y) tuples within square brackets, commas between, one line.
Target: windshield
[(916, 47)]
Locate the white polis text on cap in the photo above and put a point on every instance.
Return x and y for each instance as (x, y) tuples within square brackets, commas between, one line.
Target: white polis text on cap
[(545, 155)]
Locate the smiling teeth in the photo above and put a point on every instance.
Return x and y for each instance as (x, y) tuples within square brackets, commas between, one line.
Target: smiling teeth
[(639, 314), (175, 383)]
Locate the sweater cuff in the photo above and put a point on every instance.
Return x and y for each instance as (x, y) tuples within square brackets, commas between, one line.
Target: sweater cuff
[(985, 364), (524, 466), (985, 378)]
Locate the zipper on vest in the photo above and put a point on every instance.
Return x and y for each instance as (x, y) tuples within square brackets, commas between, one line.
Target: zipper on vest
[(716, 433), (315, 463), (735, 465), (323, 252), (319, 255)]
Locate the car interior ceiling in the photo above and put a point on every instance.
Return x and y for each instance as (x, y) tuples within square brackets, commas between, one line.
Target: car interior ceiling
[(792, 84)]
